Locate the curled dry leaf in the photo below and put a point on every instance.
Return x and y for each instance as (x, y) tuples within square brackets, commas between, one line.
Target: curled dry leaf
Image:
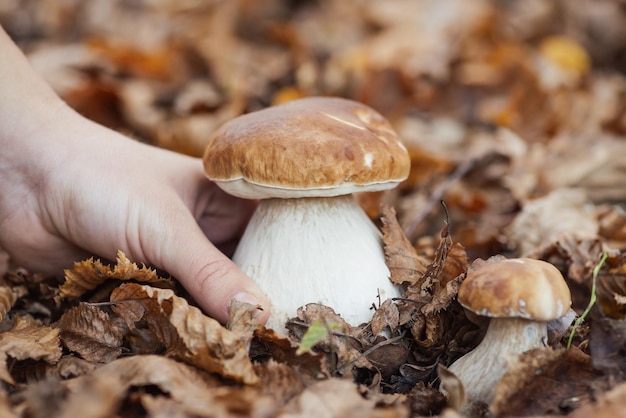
[(5, 407), (431, 287), (488, 65), (282, 349), (405, 265), (543, 221), (386, 316), (8, 296), (280, 381), (578, 256), (446, 287), (198, 339), (612, 225), (100, 393), (429, 298), (452, 386), (70, 366), (427, 401), (89, 274), (611, 288), (335, 398), (390, 357), (610, 404), (28, 340), (543, 381), (590, 161), (241, 318), (440, 271), (607, 339), (88, 331), (131, 312), (342, 345)]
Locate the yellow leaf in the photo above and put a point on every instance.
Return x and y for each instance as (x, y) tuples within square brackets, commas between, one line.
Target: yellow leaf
[(566, 53)]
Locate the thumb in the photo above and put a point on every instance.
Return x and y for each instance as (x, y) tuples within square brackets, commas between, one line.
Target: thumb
[(207, 274)]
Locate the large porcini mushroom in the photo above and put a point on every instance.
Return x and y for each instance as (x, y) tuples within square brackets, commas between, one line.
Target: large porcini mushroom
[(309, 240), (520, 296)]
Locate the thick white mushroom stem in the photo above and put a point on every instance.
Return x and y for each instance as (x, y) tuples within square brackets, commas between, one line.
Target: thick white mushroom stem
[(317, 249), (481, 369)]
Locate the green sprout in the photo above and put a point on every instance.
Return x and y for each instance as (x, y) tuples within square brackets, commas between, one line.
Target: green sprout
[(317, 332), (592, 300)]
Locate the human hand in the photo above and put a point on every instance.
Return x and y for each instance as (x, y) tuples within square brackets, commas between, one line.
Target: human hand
[(72, 188)]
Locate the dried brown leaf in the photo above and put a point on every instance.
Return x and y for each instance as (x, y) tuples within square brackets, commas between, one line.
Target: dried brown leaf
[(336, 398), (422, 290), (433, 293), (427, 400), (124, 269), (6, 410), (241, 318), (8, 296), (563, 213), (387, 315), (607, 339), (131, 312), (446, 287), (162, 407), (541, 381), (580, 256), (198, 340), (590, 161), (89, 274), (101, 393), (611, 287), (83, 277), (611, 294), (341, 345), (389, 356), (152, 332), (88, 331), (279, 380), (611, 404), (70, 366), (309, 365), (44, 398), (27, 339), (405, 265), (612, 225), (452, 387)]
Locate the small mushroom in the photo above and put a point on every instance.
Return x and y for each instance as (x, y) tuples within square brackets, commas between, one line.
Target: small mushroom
[(309, 240), (520, 296)]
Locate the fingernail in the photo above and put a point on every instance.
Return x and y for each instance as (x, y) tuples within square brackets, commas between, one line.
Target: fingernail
[(249, 298)]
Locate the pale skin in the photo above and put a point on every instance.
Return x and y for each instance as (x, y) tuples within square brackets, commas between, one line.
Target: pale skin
[(70, 188)]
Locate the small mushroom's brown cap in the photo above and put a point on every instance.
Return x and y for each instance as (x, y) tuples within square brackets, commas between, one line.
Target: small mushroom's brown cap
[(519, 287), (317, 146)]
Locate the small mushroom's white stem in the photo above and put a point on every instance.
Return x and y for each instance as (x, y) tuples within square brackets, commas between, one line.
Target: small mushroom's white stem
[(321, 249), (481, 369)]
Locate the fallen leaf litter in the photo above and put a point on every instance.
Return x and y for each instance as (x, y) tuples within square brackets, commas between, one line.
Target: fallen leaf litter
[(513, 115)]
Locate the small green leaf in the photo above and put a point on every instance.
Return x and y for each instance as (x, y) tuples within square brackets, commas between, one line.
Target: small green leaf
[(317, 332)]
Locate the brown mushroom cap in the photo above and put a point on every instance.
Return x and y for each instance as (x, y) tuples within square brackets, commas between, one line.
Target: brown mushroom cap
[(317, 146), (520, 287)]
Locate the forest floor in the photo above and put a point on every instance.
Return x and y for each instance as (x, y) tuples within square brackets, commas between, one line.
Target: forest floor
[(513, 115)]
